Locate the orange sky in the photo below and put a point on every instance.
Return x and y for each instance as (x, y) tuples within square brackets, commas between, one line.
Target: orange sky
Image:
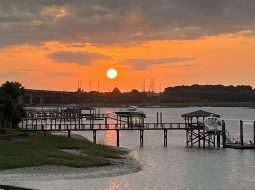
[(224, 58)]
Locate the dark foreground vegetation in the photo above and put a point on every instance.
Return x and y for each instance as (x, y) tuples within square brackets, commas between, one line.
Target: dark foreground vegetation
[(38, 150), (172, 95), (10, 111)]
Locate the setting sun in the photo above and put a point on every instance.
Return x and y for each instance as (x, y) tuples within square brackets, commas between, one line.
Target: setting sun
[(111, 73)]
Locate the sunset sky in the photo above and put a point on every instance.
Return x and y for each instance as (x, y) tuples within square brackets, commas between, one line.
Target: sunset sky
[(47, 44)]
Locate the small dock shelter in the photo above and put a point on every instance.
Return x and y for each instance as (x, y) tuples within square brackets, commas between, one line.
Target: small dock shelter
[(195, 129), (130, 116)]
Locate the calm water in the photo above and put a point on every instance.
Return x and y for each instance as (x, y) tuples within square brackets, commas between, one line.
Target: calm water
[(175, 166)]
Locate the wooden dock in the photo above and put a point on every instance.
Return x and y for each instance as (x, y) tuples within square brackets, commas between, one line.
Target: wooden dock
[(74, 120), (69, 120), (239, 146)]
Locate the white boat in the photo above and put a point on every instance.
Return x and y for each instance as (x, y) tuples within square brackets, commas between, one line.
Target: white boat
[(131, 110), (212, 124)]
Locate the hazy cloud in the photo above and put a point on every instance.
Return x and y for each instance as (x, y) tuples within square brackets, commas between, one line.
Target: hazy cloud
[(141, 64), (82, 58), (103, 22), (16, 73)]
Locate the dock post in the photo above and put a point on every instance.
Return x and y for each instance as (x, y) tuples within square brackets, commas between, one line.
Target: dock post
[(254, 133), (69, 133), (75, 124), (165, 137), (79, 121), (26, 123), (118, 137), (199, 145), (187, 137), (161, 119), (191, 137), (203, 136), (218, 141), (94, 136), (214, 143), (105, 122), (157, 119), (141, 137), (223, 133), (241, 132), (51, 124)]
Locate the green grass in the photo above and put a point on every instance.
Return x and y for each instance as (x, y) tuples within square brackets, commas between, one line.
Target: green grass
[(37, 150)]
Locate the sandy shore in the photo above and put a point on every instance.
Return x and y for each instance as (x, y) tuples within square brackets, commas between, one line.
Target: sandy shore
[(123, 166)]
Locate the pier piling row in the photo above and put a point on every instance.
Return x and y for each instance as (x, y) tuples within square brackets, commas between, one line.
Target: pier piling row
[(73, 120)]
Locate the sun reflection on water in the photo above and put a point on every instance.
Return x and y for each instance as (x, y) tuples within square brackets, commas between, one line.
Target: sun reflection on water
[(110, 137)]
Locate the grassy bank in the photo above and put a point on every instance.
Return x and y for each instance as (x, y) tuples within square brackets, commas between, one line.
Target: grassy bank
[(37, 150)]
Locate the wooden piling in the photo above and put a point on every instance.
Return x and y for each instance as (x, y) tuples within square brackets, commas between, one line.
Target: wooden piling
[(214, 143), (223, 133), (203, 136), (165, 137), (26, 124), (69, 133), (94, 136), (141, 137), (157, 119), (191, 138), (161, 122), (75, 125), (79, 122), (241, 132), (118, 137), (51, 124), (218, 141), (105, 122), (187, 137), (199, 145), (254, 133)]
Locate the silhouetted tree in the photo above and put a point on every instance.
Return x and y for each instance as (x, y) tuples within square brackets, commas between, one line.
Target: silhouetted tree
[(11, 111)]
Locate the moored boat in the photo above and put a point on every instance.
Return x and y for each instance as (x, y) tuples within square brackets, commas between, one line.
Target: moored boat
[(212, 124)]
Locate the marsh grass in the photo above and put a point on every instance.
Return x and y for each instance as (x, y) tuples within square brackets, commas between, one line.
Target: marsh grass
[(38, 150)]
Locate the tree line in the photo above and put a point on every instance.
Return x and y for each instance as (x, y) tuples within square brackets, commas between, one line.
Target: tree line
[(177, 94)]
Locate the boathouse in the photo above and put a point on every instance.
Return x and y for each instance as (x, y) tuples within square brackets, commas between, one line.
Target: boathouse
[(195, 129), (131, 116)]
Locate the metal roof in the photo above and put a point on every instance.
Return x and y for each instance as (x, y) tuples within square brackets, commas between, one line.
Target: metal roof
[(200, 113)]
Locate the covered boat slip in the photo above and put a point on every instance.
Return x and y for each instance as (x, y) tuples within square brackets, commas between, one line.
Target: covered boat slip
[(131, 116), (197, 132)]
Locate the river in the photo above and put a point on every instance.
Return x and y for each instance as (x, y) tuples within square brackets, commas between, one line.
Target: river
[(176, 166)]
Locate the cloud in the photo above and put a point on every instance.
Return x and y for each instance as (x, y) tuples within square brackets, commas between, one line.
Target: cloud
[(183, 65), (16, 73), (141, 64), (115, 22), (82, 58)]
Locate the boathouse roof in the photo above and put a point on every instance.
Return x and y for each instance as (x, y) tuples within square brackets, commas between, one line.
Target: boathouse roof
[(200, 113)]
